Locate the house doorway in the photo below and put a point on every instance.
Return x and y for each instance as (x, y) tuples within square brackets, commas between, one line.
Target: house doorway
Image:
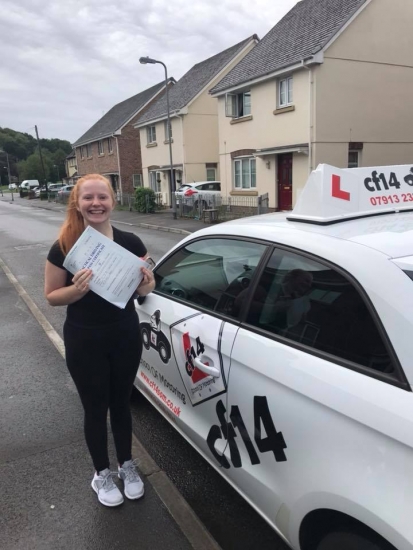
[(114, 182), (285, 181)]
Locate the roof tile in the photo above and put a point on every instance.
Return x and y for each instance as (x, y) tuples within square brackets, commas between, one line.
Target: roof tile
[(118, 115), (301, 33)]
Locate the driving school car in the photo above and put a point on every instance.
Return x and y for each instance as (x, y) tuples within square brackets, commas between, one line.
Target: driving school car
[(291, 363)]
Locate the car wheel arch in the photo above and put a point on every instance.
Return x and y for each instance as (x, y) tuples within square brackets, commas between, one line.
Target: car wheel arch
[(319, 523)]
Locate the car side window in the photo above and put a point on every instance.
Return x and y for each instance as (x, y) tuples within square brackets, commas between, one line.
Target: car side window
[(308, 302), (210, 273)]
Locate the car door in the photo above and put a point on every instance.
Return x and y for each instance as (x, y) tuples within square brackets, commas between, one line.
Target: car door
[(188, 327), (310, 369)]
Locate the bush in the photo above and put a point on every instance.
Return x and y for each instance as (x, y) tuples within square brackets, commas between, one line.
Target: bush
[(145, 200)]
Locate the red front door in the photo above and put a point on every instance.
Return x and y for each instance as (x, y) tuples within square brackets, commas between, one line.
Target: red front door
[(285, 181)]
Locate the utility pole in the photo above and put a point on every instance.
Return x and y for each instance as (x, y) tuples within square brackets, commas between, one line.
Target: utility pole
[(8, 175), (41, 160)]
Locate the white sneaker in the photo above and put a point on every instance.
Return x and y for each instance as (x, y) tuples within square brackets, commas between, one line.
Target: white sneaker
[(107, 492), (133, 484)]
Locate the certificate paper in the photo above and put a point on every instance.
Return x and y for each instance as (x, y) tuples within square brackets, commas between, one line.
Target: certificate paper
[(116, 271)]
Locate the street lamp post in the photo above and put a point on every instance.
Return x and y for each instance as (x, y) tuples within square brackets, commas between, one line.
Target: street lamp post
[(145, 61)]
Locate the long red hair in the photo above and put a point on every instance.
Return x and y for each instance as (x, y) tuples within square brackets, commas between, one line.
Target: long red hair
[(73, 226)]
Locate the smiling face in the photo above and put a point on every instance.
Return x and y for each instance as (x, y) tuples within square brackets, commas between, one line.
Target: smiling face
[(95, 202)]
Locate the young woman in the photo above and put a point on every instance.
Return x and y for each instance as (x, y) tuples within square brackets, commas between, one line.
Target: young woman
[(103, 343)]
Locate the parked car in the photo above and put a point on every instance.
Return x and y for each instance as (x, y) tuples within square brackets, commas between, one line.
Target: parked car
[(51, 188), (12, 186), (63, 193), (290, 368), (29, 184), (201, 193)]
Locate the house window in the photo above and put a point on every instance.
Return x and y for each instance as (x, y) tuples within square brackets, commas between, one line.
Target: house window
[(238, 105), (137, 180), (151, 134), (211, 174), (88, 150), (82, 152), (110, 145), (353, 159), (245, 173), (166, 130), (155, 181), (100, 147), (285, 92)]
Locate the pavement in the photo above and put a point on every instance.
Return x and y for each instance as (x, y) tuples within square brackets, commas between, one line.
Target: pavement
[(162, 220), (45, 470)]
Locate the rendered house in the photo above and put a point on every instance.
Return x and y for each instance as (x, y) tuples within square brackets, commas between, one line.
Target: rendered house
[(71, 168), (194, 125), (331, 83), (111, 147)]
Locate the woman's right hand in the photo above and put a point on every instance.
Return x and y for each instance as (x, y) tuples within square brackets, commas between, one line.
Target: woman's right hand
[(81, 280)]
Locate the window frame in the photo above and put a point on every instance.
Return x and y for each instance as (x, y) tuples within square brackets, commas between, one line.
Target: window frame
[(101, 150), (232, 104), (352, 152), (110, 145), (158, 186), (288, 91), (151, 134), (234, 320), (137, 185), (241, 159), (82, 152), (89, 149), (398, 378), (215, 174)]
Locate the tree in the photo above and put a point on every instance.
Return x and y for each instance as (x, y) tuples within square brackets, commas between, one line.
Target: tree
[(31, 168), (22, 146)]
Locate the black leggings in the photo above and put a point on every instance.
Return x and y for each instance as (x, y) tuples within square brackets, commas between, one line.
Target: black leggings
[(103, 363)]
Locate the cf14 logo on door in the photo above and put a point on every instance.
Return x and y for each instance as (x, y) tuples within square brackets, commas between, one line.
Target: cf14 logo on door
[(273, 442), (190, 354)]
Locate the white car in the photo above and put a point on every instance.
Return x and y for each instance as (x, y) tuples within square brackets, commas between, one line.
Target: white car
[(204, 194), (280, 346), (12, 186)]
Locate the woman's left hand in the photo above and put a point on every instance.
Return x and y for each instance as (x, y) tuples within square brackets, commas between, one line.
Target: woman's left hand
[(148, 282)]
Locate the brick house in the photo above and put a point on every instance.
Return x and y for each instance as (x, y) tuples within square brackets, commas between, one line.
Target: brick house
[(111, 147)]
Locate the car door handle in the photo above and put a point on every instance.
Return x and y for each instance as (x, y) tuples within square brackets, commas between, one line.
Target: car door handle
[(206, 368)]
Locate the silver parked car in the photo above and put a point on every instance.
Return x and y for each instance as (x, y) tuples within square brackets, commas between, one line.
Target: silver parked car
[(63, 193)]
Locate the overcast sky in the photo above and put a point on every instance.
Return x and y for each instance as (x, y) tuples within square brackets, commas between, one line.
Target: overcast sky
[(63, 64)]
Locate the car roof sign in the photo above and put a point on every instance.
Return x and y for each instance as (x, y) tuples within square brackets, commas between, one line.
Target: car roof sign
[(333, 194)]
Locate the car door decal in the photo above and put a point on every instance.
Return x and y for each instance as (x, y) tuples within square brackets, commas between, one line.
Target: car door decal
[(187, 346), (152, 336), (274, 441)]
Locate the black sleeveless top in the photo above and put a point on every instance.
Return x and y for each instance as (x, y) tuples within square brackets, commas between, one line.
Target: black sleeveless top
[(93, 311)]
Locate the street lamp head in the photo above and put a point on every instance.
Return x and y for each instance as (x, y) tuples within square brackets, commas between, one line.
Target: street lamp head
[(146, 60)]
